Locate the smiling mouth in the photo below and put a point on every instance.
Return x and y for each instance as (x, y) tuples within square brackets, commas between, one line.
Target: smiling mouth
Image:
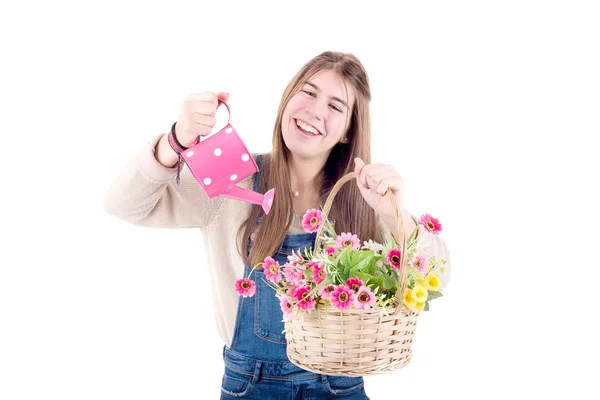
[(307, 128)]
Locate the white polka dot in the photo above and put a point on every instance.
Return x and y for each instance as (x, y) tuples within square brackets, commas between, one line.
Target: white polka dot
[(207, 181), (228, 130), (270, 202), (189, 153), (218, 152), (245, 157), (233, 177)]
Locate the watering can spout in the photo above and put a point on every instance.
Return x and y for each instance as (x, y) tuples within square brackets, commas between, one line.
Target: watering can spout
[(239, 193)]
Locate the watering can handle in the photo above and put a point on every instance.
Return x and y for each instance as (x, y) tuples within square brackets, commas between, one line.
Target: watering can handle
[(228, 121), (228, 111)]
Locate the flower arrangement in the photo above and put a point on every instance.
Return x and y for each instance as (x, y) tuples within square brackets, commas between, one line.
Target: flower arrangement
[(343, 275)]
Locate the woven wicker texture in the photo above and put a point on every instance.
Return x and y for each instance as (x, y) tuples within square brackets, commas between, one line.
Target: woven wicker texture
[(354, 342)]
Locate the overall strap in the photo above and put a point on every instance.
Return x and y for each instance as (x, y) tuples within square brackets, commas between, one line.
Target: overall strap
[(259, 158), (259, 161)]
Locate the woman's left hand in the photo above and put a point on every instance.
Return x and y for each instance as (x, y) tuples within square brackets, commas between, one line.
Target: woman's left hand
[(373, 180)]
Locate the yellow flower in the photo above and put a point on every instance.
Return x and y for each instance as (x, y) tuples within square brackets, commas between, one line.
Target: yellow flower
[(409, 299), (419, 279), (419, 306), (420, 294), (432, 282)]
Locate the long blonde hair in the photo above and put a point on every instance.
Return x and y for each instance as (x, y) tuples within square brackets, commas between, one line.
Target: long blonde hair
[(350, 212)]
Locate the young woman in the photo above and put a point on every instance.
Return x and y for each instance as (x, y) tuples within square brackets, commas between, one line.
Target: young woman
[(321, 133)]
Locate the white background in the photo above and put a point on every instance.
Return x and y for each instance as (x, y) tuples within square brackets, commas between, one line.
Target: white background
[(487, 109)]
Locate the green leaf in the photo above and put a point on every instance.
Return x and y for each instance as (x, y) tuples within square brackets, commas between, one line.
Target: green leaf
[(389, 282), (365, 254), (352, 259), (345, 257), (412, 235), (343, 262), (434, 295), (361, 265), (308, 273), (372, 267), (426, 307), (392, 243), (389, 245), (364, 277), (376, 282)]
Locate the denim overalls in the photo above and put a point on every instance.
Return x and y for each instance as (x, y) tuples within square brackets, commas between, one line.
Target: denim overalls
[(256, 364)]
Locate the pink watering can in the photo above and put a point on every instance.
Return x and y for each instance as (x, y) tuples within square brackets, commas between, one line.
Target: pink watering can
[(220, 161)]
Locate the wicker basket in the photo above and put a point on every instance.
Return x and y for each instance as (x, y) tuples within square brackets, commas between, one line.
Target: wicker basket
[(354, 342)]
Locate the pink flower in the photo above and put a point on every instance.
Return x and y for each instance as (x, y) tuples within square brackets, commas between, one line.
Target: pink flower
[(292, 291), (347, 239), (325, 292), (271, 269), (364, 298), (431, 224), (245, 287), (287, 306), (293, 276), (420, 263), (393, 258), (354, 284), (331, 251), (312, 220), (318, 272), (305, 300), (342, 297), (296, 257)]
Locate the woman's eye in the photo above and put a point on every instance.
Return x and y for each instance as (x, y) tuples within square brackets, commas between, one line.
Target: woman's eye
[(308, 92), (335, 108)]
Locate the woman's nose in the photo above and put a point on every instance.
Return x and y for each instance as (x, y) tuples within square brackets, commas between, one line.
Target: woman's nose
[(314, 112)]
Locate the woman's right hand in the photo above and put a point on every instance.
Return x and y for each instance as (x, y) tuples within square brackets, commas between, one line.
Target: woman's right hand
[(197, 116)]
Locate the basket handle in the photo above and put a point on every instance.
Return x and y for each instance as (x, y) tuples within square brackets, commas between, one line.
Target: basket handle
[(403, 261)]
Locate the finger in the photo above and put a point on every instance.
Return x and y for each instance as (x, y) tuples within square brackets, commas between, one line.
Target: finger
[(359, 164), (364, 174), (211, 97), (389, 182), (373, 173), (382, 167), (200, 130), (382, 173), (193, 128), (382, 188), (223, 96), (377, 171), (203, 107), (204, 120)]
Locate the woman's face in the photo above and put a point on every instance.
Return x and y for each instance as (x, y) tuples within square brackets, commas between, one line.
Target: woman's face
[(317, 117)]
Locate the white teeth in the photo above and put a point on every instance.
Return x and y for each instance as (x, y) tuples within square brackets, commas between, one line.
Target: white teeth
[(307, 128)]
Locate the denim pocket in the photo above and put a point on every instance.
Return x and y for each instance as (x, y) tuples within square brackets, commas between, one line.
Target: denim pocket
[(342, 385), (236, 384), (268, 317)]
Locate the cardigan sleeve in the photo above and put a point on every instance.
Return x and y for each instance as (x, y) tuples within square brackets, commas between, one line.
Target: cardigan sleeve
[(145, 193)]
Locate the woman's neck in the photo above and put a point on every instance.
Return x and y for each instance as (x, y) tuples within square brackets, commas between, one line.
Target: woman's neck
[(305, 180), (305, 175)]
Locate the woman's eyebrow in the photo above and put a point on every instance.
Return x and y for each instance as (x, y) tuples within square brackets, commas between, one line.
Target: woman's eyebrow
[(331, 97)]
